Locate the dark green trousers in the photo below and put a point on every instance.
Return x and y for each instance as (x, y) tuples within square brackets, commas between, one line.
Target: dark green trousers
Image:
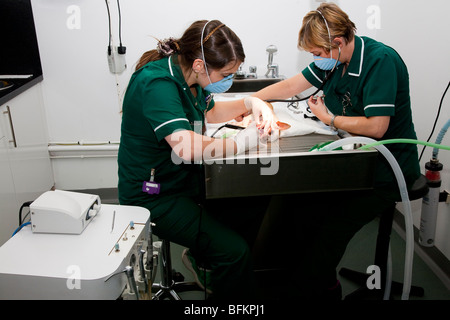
[(314, 232), (220, 234)]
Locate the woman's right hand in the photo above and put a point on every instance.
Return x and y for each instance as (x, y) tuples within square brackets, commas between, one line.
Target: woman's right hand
[(317, 106)]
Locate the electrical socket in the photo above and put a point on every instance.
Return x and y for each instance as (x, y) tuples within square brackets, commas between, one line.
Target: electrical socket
[(116, 59)]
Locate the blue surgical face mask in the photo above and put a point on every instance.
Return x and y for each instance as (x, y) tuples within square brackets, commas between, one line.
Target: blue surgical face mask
[(221, 85), (326, 63)]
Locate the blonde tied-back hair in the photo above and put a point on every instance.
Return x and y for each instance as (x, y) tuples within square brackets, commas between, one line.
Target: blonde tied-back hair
[(314, 32)]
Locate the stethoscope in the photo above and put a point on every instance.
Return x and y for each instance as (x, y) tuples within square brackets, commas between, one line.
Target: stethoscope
[(327, 77)]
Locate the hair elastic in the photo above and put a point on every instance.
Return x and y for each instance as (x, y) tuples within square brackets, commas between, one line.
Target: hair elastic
[(167, 47)]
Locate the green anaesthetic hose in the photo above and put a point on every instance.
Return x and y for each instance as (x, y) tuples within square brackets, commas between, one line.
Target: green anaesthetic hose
[(412, 141), (379, 145)]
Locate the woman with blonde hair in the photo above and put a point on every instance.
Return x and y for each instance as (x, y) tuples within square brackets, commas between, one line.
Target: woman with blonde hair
[(365, 86)]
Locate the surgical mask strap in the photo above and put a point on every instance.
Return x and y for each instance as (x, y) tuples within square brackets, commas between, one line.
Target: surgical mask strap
[(203, 52)]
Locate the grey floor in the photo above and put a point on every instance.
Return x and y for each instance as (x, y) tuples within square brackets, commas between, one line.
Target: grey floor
[(358, 256)]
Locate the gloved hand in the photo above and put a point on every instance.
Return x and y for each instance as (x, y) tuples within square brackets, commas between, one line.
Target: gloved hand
[(262, 114), (247, 139)]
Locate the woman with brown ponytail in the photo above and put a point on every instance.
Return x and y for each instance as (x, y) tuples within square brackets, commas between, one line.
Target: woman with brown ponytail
[(164, 109)]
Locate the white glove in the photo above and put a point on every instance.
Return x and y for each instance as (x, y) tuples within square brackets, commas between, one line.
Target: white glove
[(262, 114), (247, 139)]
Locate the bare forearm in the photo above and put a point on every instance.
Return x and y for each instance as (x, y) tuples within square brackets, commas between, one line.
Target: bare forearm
[(191, 146), (284, 89), (224, 111), (374, 127)]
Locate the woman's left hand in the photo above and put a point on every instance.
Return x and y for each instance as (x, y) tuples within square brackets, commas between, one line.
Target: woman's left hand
[(263, 115)]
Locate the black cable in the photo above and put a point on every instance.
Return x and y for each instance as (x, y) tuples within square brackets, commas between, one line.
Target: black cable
[(120, 49), (306, 98), (109, 26), (25, 204), (436, 120), (227, 125), (120, 24), (296, 100), (28, 213)]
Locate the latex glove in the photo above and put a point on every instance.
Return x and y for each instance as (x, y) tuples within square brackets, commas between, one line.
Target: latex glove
[(262, 114), (247, 139)]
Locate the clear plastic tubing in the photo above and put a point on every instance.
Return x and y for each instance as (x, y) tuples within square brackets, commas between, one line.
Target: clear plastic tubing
[(409, 229), (440, 137), (411, 141)]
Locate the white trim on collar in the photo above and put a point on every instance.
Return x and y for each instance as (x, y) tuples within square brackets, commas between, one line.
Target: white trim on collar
[(170, 66), (360, 60), (312, 72)]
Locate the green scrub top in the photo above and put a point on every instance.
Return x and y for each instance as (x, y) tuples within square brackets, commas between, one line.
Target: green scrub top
[(158, 102), (376, 83)]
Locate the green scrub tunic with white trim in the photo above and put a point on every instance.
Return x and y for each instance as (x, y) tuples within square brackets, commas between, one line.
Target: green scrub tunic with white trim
[(376, 83), (158, 102)]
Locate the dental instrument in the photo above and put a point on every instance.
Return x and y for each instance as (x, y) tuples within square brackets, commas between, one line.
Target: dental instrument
[(60, 264)]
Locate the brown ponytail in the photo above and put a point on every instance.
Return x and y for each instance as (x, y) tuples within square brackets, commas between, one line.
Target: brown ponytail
[(221, 46), (164, 48)]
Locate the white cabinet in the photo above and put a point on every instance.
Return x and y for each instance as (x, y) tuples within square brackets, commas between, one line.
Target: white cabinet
[(8, 200), (26, 169)]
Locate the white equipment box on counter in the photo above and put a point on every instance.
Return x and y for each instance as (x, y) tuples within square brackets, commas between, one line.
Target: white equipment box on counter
[(75, 266), (62, 211)]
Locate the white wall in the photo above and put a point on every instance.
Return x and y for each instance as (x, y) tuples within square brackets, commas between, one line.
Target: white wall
[(83, 101), (418, 30)]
